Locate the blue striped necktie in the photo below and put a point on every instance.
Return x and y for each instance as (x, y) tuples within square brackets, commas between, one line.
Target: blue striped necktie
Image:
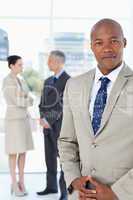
[(99, 104)]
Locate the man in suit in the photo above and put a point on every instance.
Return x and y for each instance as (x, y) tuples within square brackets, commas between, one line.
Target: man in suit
[(96, 139), (51, 119)]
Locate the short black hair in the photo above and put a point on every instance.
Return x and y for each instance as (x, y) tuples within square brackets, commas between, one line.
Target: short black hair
[(12, 59), (59, 54)]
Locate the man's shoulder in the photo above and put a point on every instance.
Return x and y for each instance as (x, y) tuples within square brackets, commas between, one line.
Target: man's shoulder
[(66, 74), (64, 77), (127, 72), (48, 79), (81, 78), (80, 82)]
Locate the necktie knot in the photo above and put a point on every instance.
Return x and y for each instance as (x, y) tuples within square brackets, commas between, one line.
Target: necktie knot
[(104, 82)]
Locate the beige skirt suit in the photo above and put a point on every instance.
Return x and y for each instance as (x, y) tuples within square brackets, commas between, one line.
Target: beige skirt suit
[(18, 136)]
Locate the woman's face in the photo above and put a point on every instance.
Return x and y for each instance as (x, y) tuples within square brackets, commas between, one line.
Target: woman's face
[(17, 67)]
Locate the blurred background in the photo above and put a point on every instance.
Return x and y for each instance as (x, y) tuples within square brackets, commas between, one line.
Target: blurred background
[(32, 29)]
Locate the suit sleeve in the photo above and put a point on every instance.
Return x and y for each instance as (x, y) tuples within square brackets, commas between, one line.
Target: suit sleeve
[(68, 145), (14, 96), (42, 103), (123, 188)]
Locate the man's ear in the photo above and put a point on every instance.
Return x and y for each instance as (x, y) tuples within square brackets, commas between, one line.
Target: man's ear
[(125, 42)]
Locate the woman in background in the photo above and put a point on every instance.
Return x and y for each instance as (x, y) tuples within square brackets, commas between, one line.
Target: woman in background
[(18, 137)]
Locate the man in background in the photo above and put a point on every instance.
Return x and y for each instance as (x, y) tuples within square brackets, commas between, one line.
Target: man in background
[(51, 119)]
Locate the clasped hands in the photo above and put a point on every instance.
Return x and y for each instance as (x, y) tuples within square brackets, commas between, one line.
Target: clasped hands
[(101, 191)]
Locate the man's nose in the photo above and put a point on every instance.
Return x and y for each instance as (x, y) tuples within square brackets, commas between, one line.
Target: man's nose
[(107, 47)]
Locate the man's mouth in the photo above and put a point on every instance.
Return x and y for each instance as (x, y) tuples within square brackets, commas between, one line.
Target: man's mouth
[(109, 57)]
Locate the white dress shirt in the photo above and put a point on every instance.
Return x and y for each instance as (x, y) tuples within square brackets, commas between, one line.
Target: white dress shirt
[(112, 76), (59, 73)]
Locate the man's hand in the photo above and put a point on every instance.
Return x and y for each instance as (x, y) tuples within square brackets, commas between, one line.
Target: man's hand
[(44, 124), (103, 192), (79, 184)]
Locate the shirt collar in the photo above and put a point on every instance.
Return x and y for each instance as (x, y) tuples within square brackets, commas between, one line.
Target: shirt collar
[(111, 76), (59, 74)]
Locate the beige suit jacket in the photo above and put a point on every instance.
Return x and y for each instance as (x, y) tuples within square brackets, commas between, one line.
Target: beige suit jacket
[(17, 97), (109, 156)]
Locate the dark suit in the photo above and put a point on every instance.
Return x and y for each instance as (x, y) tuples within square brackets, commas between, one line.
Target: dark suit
[(51, 108)]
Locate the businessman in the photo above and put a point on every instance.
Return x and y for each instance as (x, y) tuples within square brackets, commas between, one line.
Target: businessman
[(51, 119), (96, 140)]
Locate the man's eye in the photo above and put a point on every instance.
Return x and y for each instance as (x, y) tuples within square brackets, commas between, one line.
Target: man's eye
[(98, 43), (115, 42)]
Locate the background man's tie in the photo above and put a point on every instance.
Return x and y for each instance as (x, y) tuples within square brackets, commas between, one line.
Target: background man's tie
[(55, 79), (99, 104)]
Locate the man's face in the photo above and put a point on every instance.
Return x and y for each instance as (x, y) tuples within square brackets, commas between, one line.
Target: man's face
[(107, 44), (53, 63)]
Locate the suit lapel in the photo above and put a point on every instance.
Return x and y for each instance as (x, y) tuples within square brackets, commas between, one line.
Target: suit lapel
[(60, 81), (87, 88), (49, 86), (58, 85), (121, 81)]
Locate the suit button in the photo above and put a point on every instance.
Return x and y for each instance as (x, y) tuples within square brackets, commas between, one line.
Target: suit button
[(93, 170), (94, 145)]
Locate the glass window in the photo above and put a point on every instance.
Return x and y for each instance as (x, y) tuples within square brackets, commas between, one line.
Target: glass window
[(91, 9), (24, 8)]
